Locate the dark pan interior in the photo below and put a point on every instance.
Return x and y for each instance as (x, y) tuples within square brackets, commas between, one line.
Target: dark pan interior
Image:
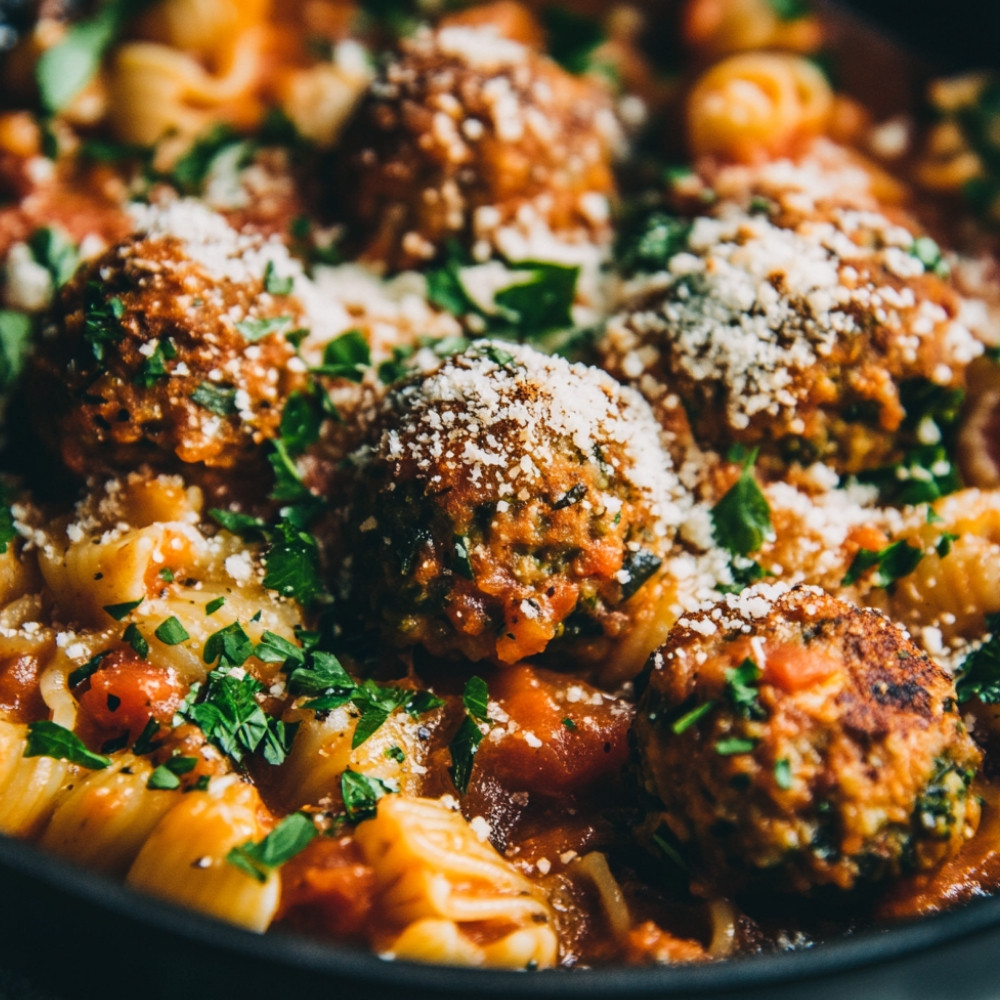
[(66, 934)]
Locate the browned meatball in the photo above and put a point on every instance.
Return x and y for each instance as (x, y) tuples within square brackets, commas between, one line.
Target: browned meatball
[(466, 132), (803, 336), (795, 740), (169, 350), (509, 504)]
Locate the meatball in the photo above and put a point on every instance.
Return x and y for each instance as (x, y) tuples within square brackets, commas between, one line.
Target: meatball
[(169, 349), (509, 504), (794, 740), (799, 335), (466, 132)]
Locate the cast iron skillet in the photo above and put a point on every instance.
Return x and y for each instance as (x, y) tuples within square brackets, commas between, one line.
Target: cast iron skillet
[(67, 934)]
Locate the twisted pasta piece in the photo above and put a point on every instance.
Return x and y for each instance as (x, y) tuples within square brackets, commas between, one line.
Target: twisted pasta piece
[(435, 879), (757, 105), (184, 858)]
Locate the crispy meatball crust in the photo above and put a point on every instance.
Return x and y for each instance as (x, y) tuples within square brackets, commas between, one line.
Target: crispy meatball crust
[(466, 131), (795, 740), (159, 353), (794, 334), (509, 504)]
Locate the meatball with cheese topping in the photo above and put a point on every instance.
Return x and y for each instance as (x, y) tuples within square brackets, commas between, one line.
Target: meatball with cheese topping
[(170, 349), (794, 741), (466, 135), (509, 504), (805, 335)]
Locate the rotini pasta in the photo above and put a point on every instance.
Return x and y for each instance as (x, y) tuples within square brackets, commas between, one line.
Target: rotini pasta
[(473, 495)]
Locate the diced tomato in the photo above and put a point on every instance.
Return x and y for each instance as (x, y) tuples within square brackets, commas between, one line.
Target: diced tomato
[(328, 889), (566, 734), (127, 691), (793, 668)]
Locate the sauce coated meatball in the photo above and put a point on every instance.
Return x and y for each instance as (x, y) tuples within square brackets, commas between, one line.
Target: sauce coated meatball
[(509, 504), (801, 336), (795, 741), (467, 132), (169, 349)]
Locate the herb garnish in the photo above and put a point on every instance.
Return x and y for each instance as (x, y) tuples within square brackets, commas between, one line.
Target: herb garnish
[(136, 640), (742, 518), (274, 284), (361, 794), (979, 673), (121, 611), (166, 777), (466, 740), (15, 338), (259, 859), (347, 356), (171, 632), (49, 739), (741, 690), (891, 563), (217, 399), (101, 319)]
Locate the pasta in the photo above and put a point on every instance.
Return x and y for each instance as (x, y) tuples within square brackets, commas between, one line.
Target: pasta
[(434, 521)]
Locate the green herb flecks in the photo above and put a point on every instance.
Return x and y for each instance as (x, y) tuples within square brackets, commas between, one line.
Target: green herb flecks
[(979, 673), (15, 339), (275, 284), (742, 518), (734, 745), (134, 637), (261, 858), (691, 717), (171, 632), (226, 710), (648, 241), (742, 692), (167, 776), (361, 794), (890, 564), (465, 742), (56, 253), (217, 399), (292, 564), (347, 356), (49, 739), (101, 319), (121, 611)]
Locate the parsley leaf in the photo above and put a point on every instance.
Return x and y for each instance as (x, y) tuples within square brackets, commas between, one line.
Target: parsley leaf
[(166, 776), (691, 718), (361, 794), (121, 611), (191, 170), (49, 739), (541, 303), (301, 420), (218, 399), (741, 690), (256, 329), (68, 66), (258, 859), (101, 319), (8, 532), (647, 241), (56, 253), (136, 640), (891, 563), (466, 740), (292, 564), (979, 673), (231, 646), (171, 632), (742, 518), (734, 745), (790, 10), (225, 708), (15, 338), (347, 356), (640, 566), (274, 284)]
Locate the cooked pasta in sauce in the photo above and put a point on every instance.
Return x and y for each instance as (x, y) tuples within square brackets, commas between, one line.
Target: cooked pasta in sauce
[(506, 485)]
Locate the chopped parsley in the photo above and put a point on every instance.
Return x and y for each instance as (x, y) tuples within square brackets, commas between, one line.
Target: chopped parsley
[(890, 564), (347, 356), (217, 399), (256, 329), (465, 742), (212, 606), (395, 753), (741, 690), (929, 254), (569, 724), (49, 739), (226, 710), (979, 673), (640, 566), (742, 518), (15, 338), (734, 745), (56, 253), (121, 611), (86, 670), (191, 170), (8, 531), (171, 632), (361, 794), (783, 774), (789, 10), (274, 284), (542, 302), (691, 718), (166, 777), (292, 564), (101, 319), (259, 859), (166, 574), (136, 640), (63, 70), (230, 646), (648, 240), (462, 561)]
